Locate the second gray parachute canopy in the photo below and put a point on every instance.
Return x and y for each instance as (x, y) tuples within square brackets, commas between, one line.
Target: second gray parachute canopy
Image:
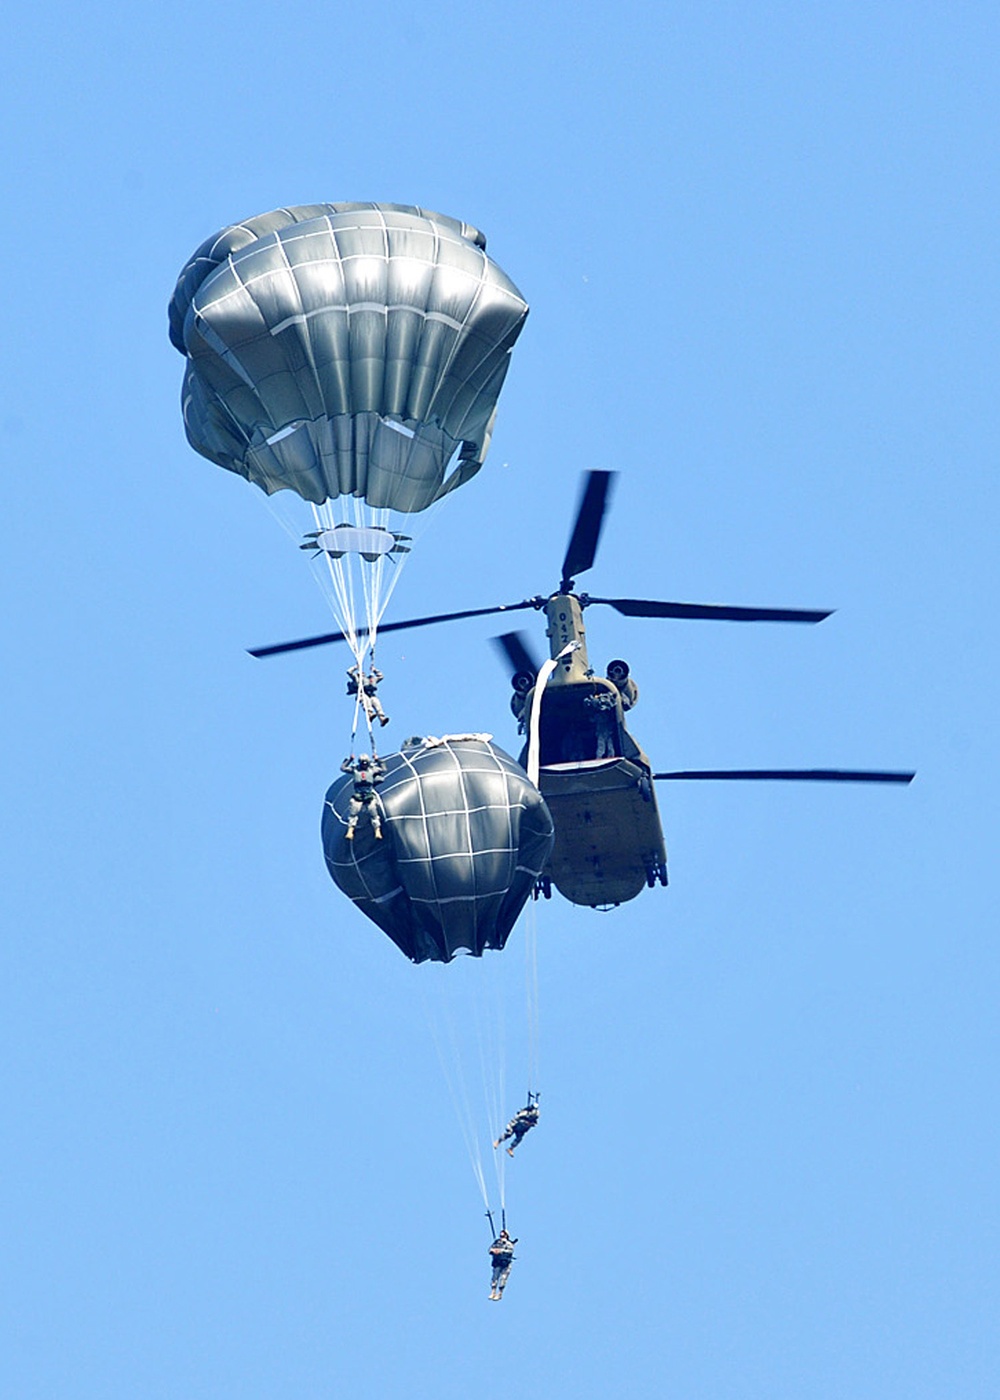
[(345, 349), (464, 836)]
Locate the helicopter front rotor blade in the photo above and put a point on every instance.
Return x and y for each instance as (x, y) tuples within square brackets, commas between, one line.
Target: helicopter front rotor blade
[(709, 612), (582, 547), (326, 637), (515, 648), (793, 775)]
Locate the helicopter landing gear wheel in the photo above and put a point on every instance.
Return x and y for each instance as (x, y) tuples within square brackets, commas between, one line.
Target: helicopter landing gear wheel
[(543, 888)]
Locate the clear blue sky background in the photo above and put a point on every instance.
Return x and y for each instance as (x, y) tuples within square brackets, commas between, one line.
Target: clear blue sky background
[(759, 243)]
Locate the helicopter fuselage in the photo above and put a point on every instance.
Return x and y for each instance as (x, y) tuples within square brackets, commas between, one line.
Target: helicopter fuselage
[(596, 780), (593, 775)]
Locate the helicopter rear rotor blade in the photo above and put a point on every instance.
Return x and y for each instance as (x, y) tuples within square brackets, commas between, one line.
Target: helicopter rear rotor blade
[(709, 612), (582, 547), (793, 775), (514, 646), (325, 637)]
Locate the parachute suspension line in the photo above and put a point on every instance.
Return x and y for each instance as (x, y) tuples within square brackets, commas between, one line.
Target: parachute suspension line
[(469, 1009), (385, 593), (346, 573), (473, 1008), (441, 1025), (375, 578), (341, 582), (492, 1044), (370, 571), (286, 515), (531, 996), (387, 568), (359, 588)]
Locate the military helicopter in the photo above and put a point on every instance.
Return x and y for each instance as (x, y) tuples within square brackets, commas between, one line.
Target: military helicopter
[(596, 780)]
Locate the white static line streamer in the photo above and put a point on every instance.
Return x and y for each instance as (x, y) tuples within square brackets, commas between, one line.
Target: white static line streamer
[(541, 681)]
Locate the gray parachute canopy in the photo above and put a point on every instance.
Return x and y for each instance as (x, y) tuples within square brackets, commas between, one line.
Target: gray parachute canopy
[(465, 836), (345, 349)]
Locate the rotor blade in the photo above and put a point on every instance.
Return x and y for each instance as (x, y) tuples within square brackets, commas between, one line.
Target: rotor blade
[(794, 775), (709, 612), (582, 545), (390, 627), (515, 648)]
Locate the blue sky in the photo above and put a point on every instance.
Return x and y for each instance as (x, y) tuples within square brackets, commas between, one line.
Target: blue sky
[(759, 247)]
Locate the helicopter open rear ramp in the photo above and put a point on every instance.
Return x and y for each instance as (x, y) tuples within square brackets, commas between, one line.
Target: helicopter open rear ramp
[(609, 841)]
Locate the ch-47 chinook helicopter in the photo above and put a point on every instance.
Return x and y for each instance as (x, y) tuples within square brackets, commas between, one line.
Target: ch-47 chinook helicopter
[(596, 780)]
